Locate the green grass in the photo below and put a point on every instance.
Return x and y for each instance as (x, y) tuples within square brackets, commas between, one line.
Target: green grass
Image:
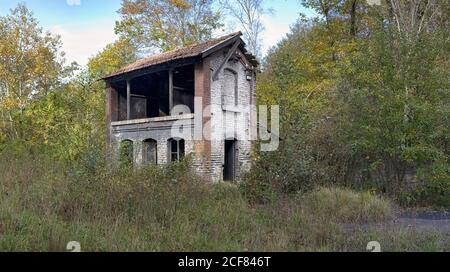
[(44, 205), (346, 206)]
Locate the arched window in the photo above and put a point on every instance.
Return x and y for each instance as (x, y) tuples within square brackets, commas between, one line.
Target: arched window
[(150, 151), (230, 88), (126, 153), (176, 149)]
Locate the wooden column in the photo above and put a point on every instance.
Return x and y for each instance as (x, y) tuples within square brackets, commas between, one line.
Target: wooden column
[(170, 91), (128, 100)]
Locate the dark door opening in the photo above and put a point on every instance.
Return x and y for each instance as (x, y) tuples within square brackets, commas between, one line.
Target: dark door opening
[(229, 169)]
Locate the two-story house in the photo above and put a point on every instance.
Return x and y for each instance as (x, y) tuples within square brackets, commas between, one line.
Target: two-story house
[(195, 100)]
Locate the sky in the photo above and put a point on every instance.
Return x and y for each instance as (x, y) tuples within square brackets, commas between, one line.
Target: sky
[(87, 26)]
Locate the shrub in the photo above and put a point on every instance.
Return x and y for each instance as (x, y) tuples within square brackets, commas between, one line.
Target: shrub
[(346, 206), (434, 193), (288, 170), (433, 188)]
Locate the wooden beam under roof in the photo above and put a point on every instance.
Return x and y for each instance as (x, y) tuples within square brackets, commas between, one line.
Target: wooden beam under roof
[(222, 64)]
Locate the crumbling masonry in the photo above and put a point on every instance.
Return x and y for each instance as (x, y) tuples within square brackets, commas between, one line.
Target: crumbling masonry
[(195, 100)]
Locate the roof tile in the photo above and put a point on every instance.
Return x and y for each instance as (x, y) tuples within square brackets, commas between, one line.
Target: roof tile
[(185, 52)]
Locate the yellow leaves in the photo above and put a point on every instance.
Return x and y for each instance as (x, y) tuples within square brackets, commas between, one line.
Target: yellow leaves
[(319, 47), (181, 4), (168, 24), (9, 103), (30, 63), (112, 58), (133, 7)]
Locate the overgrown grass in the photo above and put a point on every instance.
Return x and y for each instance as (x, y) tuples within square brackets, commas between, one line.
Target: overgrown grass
[(44, 205), (346, 206)]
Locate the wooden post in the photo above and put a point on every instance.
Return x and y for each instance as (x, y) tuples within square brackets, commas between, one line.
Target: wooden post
[(170, 91), (128, 100), (225, 60), (109, 112)]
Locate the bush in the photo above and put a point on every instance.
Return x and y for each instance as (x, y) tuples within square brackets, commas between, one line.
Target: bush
[(288, 170), (434, 193), (346, 206)]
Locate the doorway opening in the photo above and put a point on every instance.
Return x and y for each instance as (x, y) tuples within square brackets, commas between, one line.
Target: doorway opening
[(229, 168)]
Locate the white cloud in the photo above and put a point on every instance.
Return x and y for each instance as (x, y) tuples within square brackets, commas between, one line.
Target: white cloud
[(82, 41), (73, 2), (275, 31)]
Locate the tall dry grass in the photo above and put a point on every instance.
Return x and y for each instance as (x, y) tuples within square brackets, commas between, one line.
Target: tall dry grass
[(45, 203), (347, 206)]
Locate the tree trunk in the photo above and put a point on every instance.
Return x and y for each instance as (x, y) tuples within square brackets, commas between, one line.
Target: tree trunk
[(353, 29)]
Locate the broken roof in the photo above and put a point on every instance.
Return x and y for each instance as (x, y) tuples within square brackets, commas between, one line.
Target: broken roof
[(202, 49)]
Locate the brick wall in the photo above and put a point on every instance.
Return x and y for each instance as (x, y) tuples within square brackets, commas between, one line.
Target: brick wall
[(208, 154)]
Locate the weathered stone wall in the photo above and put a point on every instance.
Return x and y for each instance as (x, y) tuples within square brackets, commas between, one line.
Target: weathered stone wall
[(229, 120), (138, 131)]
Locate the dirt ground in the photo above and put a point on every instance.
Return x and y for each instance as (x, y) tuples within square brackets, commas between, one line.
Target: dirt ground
[(423, 221), (439, 221)]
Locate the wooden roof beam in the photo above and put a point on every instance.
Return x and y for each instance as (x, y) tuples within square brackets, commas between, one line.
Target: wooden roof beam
[(225, 60)]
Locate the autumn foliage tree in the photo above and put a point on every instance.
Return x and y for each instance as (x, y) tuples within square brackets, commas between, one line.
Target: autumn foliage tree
[(31, 66), (44, 106), (363, 95), (70, 123), (167, 24)]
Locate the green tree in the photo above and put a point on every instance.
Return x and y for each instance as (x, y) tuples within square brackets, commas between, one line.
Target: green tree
[(362, 105), (42, 104), (393, 99), (113, 57), (167, 24), (31, 66), (70, 123)]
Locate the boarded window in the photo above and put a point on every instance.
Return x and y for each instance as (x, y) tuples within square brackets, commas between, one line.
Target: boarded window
[(150, 151), (138, 107), (230, 88)]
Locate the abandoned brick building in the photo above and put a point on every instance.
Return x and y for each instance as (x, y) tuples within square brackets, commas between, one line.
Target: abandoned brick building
[(211, 80)]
